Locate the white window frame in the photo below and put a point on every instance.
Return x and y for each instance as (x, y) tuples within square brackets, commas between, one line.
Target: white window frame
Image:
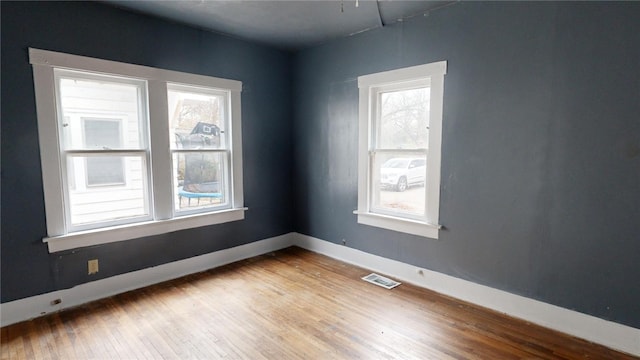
[(369, 88), (164, 218)]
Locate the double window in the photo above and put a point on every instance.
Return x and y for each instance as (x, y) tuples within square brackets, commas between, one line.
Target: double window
[(399, 149), (130, 151)]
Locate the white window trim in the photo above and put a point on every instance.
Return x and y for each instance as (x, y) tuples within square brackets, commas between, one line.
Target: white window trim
[(58, 238), (429, 227)]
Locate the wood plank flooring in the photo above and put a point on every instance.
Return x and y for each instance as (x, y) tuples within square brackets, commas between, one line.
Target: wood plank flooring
[(291, 304)]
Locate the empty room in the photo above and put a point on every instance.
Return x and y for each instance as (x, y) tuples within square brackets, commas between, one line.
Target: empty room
[(353, 179)]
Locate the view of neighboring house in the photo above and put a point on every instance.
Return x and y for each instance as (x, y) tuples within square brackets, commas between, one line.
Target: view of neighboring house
[(100, 119)]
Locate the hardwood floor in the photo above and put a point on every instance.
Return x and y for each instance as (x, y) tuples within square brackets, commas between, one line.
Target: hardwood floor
[(291, 304)]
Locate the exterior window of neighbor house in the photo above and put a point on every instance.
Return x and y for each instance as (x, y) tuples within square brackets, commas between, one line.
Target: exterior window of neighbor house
[(399, 149), (104, 170), (130, 151)]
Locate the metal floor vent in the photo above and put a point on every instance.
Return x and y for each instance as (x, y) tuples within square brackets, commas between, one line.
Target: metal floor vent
[(381, 281)]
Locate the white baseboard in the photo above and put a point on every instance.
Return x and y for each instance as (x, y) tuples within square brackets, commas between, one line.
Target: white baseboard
[(610, 334), (613, 335), (34, 306)]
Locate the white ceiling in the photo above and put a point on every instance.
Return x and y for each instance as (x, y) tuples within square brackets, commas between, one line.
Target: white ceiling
[(288, 25)]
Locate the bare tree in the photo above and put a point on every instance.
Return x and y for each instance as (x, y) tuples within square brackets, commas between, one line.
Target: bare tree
[(192, 111), (405, 119)]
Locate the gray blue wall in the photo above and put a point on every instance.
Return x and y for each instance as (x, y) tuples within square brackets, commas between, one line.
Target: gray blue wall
[(540, 190), (541, 144), (96, 30)]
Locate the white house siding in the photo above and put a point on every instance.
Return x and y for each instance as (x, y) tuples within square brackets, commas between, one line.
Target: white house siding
[(82, 100)]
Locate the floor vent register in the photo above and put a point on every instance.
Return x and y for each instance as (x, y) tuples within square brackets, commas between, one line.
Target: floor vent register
[(381, 281)]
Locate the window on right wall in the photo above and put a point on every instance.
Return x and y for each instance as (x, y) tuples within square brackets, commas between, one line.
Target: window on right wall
[(400, 131)]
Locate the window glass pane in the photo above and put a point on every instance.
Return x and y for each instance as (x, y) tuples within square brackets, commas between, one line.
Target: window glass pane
[(196, 118), (103, 134), (201, 179), (91, 204), (398, 183), (105, 170), (404, 119), (112, 103)]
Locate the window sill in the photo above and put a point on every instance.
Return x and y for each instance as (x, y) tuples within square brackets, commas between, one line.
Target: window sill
[(133, 231), (398, 224)]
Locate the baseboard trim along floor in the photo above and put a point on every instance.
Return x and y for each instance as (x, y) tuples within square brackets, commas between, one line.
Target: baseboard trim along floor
[(607, 333), (34, 306), (613, 335)]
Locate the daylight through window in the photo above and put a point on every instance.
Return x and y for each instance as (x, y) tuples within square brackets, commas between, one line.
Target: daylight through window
[(126, 144), (400, 134)]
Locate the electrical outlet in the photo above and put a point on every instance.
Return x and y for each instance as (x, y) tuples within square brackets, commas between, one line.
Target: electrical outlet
[(92, 265)]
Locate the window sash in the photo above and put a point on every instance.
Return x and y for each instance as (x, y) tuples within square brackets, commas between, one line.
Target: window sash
[(141, 85), (376, 133), (375, 100), (69, 155), (372, 186), (227, 193), (85, 111)]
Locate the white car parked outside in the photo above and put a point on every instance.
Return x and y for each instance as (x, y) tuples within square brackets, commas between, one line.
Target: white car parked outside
[(400, 173)]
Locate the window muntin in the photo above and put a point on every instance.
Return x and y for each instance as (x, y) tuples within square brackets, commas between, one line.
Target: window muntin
[(144, 148), (107, 176), (399, 149)]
